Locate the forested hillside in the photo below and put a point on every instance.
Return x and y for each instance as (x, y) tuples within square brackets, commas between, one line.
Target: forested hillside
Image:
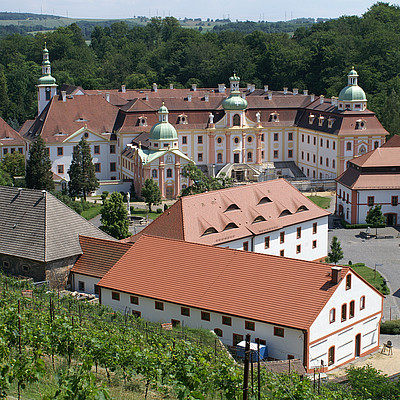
[(316, 58)]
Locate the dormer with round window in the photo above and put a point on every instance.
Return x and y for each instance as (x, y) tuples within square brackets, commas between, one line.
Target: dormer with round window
[(360, 124), (182, 119), (142, 120)]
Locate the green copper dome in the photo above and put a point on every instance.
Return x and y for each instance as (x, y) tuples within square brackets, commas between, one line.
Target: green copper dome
[(234, 78), (353, 72), (234, 102), (352, 93), (47, 80), (163, 130)]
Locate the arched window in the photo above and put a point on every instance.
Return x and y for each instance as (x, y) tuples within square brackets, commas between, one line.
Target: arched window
[(332, 315), (218, 332), (344, 312), (219, 158), (154, 173), (169, 173), (236, 120), (249, 156), (348, 146), (362, 302), (376, 145)]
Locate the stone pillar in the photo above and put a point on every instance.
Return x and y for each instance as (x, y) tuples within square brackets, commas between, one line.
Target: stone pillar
[(161, 179), (228, 147), (258, 147), (177, 178), (211, 147)]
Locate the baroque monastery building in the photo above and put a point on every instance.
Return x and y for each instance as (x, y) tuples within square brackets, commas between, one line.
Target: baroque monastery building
[(321, 314), (138, 134)]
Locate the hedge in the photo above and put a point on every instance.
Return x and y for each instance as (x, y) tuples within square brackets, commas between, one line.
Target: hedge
[(391, 327), (346, 225)]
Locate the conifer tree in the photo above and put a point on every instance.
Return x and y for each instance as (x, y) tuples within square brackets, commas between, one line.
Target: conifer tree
[(38, 167), (336, 253), (81, 172), (114, 217), (375, 217)]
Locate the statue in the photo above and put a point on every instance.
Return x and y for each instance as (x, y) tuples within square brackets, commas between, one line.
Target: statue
[(258, 116), (211, 118)]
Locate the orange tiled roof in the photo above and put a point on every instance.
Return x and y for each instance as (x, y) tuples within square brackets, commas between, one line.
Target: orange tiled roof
[(98, 256), (394, 141), (191, 216), (257, 286), (380, 157), (9, 136)]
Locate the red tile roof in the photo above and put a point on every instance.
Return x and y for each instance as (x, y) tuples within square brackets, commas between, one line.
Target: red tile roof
[(191, 216), (257, 286), (380, 157), (9, 136), (394, 141), (98, 256)]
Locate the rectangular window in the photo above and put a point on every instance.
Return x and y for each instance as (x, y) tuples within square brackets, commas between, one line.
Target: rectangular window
[(184, 139), (290, 136), (262, 137), (246, 246), (314, 228), (237, 338), (362, 302), (334, 145), (5, 151), (308, 139), (60, 151), (282, 237), (313, 158), (199, 156), (205, 316), (262, 154), (159, 305), (395, 200), (226, 320), (290, 153), (351, 309), (282, 253), (48, 151), (266, 242), (276, 154), (12, 150), (97, 167), (344, 312), (321, 143), (279, 331), (298, 232), (115, 296), (315, 141), (314, 244), (6, 264), (97, 149), (134, 300), (298, 249), (302, 138), (327, 143), (370, 201), (332, 315), (249, 325), (276, 137), (136, 314), (112, 148), (81, 286), (113, 167), (175, 323), (185, 311), (308, 156), (199, 139), (348, 282), (302, 155), (60, 169)]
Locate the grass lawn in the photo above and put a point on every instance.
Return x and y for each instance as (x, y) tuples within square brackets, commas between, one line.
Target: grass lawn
[(95, 209), (323, 202), (143, 212), (375, 279)]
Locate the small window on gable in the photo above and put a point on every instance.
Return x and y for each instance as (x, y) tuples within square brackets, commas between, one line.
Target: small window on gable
[(330, 122), (284, 213), (360, 124), (260, 218), (209, 231), (311, 118), (264, 200), (182, 119), (231, 207), (142, 120), (321, 120), (274, 117), (302, 208), (231, 225)]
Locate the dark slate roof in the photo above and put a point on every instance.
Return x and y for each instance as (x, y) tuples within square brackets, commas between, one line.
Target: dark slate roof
[(37, 226)]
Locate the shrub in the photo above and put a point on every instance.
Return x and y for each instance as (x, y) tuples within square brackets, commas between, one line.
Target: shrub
[(165, 207), (346, 225), (391, 327), (77, 207), (159, 210)]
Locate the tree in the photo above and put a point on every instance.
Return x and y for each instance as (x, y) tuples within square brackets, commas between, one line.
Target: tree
[(114, 217), (5, 178), (375, 217), (151, 193), (81, 171), (38, 167), (336, 253), (14, 164)]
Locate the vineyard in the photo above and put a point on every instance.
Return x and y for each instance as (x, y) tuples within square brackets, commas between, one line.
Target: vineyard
[(57, 347)]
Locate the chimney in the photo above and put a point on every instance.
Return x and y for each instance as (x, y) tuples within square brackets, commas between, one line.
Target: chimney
[(285, 89), (147, 97), (305, 92), (64, 95), (336, 274), (123, 88), (321, 99), (334, 100), (189, 97), (244, 96), (206, 97), (44, 193), (108, 96), (269, 95), (252, 88), (194, 87), (295, 91), (19, 190), (221, 88), (154, 87), (171, 85), (312, 98), (249, 86), (265, 88)]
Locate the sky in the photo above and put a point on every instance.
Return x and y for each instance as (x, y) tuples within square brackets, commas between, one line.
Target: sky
[(254, 10)]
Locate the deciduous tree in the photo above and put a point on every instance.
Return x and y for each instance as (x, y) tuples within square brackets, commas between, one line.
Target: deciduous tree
[(151, 193), (114, 217), (375, 217)]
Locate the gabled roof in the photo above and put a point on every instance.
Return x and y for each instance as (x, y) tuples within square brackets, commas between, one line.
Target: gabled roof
[(9, 136), (148, 156), (37, 226), (380, 157), (281, 290), (277, 202), (98, 256), (394, 141), (61, 119)]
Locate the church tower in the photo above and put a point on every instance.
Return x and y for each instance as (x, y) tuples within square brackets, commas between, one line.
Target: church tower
[(47, 86)]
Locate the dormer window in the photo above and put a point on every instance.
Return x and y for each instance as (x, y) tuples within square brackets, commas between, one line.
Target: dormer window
[(284, 213), (360, 124), (80, 119), (209, 231), (274, 117), (231, 225), (311, 118), (330, 122), (260, 218), (264, 200), (182, 119), (142, 121), (233, 206), (321, 120), (302, 208)]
